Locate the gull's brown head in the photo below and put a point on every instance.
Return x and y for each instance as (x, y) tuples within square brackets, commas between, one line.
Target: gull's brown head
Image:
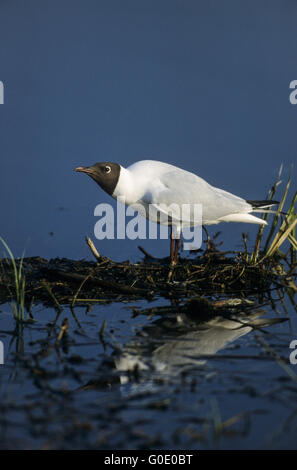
[(106, 174)]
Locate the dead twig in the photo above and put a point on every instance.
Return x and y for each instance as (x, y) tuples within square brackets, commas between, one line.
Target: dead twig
[(93, 249), (146, 254), (109, 285)]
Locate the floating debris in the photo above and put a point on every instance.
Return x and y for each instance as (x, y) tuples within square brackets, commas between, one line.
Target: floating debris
[(62, 281)]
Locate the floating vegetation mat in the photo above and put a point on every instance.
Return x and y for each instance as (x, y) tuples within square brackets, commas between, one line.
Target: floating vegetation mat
[(58, 281)]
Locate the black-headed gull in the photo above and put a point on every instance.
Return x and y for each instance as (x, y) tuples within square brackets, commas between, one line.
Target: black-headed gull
[(158, 185)]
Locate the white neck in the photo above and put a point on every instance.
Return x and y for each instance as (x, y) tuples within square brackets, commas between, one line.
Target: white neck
[(125, 186)]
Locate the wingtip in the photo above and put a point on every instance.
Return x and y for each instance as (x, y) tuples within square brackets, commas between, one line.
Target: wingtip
[(263, 204)]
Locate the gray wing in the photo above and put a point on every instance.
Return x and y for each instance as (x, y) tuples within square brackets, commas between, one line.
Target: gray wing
[(182, 187)]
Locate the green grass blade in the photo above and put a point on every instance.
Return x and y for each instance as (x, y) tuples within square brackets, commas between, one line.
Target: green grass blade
[(276, 216), (270, 196), (18, 307)]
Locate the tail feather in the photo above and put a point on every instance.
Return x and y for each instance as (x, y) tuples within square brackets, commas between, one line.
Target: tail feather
[(269, 211), (245, 217), (264, 207)]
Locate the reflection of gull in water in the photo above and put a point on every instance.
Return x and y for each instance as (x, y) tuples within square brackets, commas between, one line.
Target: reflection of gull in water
[(209, 339), (175, 343), (183, 347)]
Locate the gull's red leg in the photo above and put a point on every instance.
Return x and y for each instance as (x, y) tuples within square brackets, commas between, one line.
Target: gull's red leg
[(176, 250), (171, 245)]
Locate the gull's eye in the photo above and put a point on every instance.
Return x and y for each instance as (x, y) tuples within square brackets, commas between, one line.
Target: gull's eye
[(107, 169)]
